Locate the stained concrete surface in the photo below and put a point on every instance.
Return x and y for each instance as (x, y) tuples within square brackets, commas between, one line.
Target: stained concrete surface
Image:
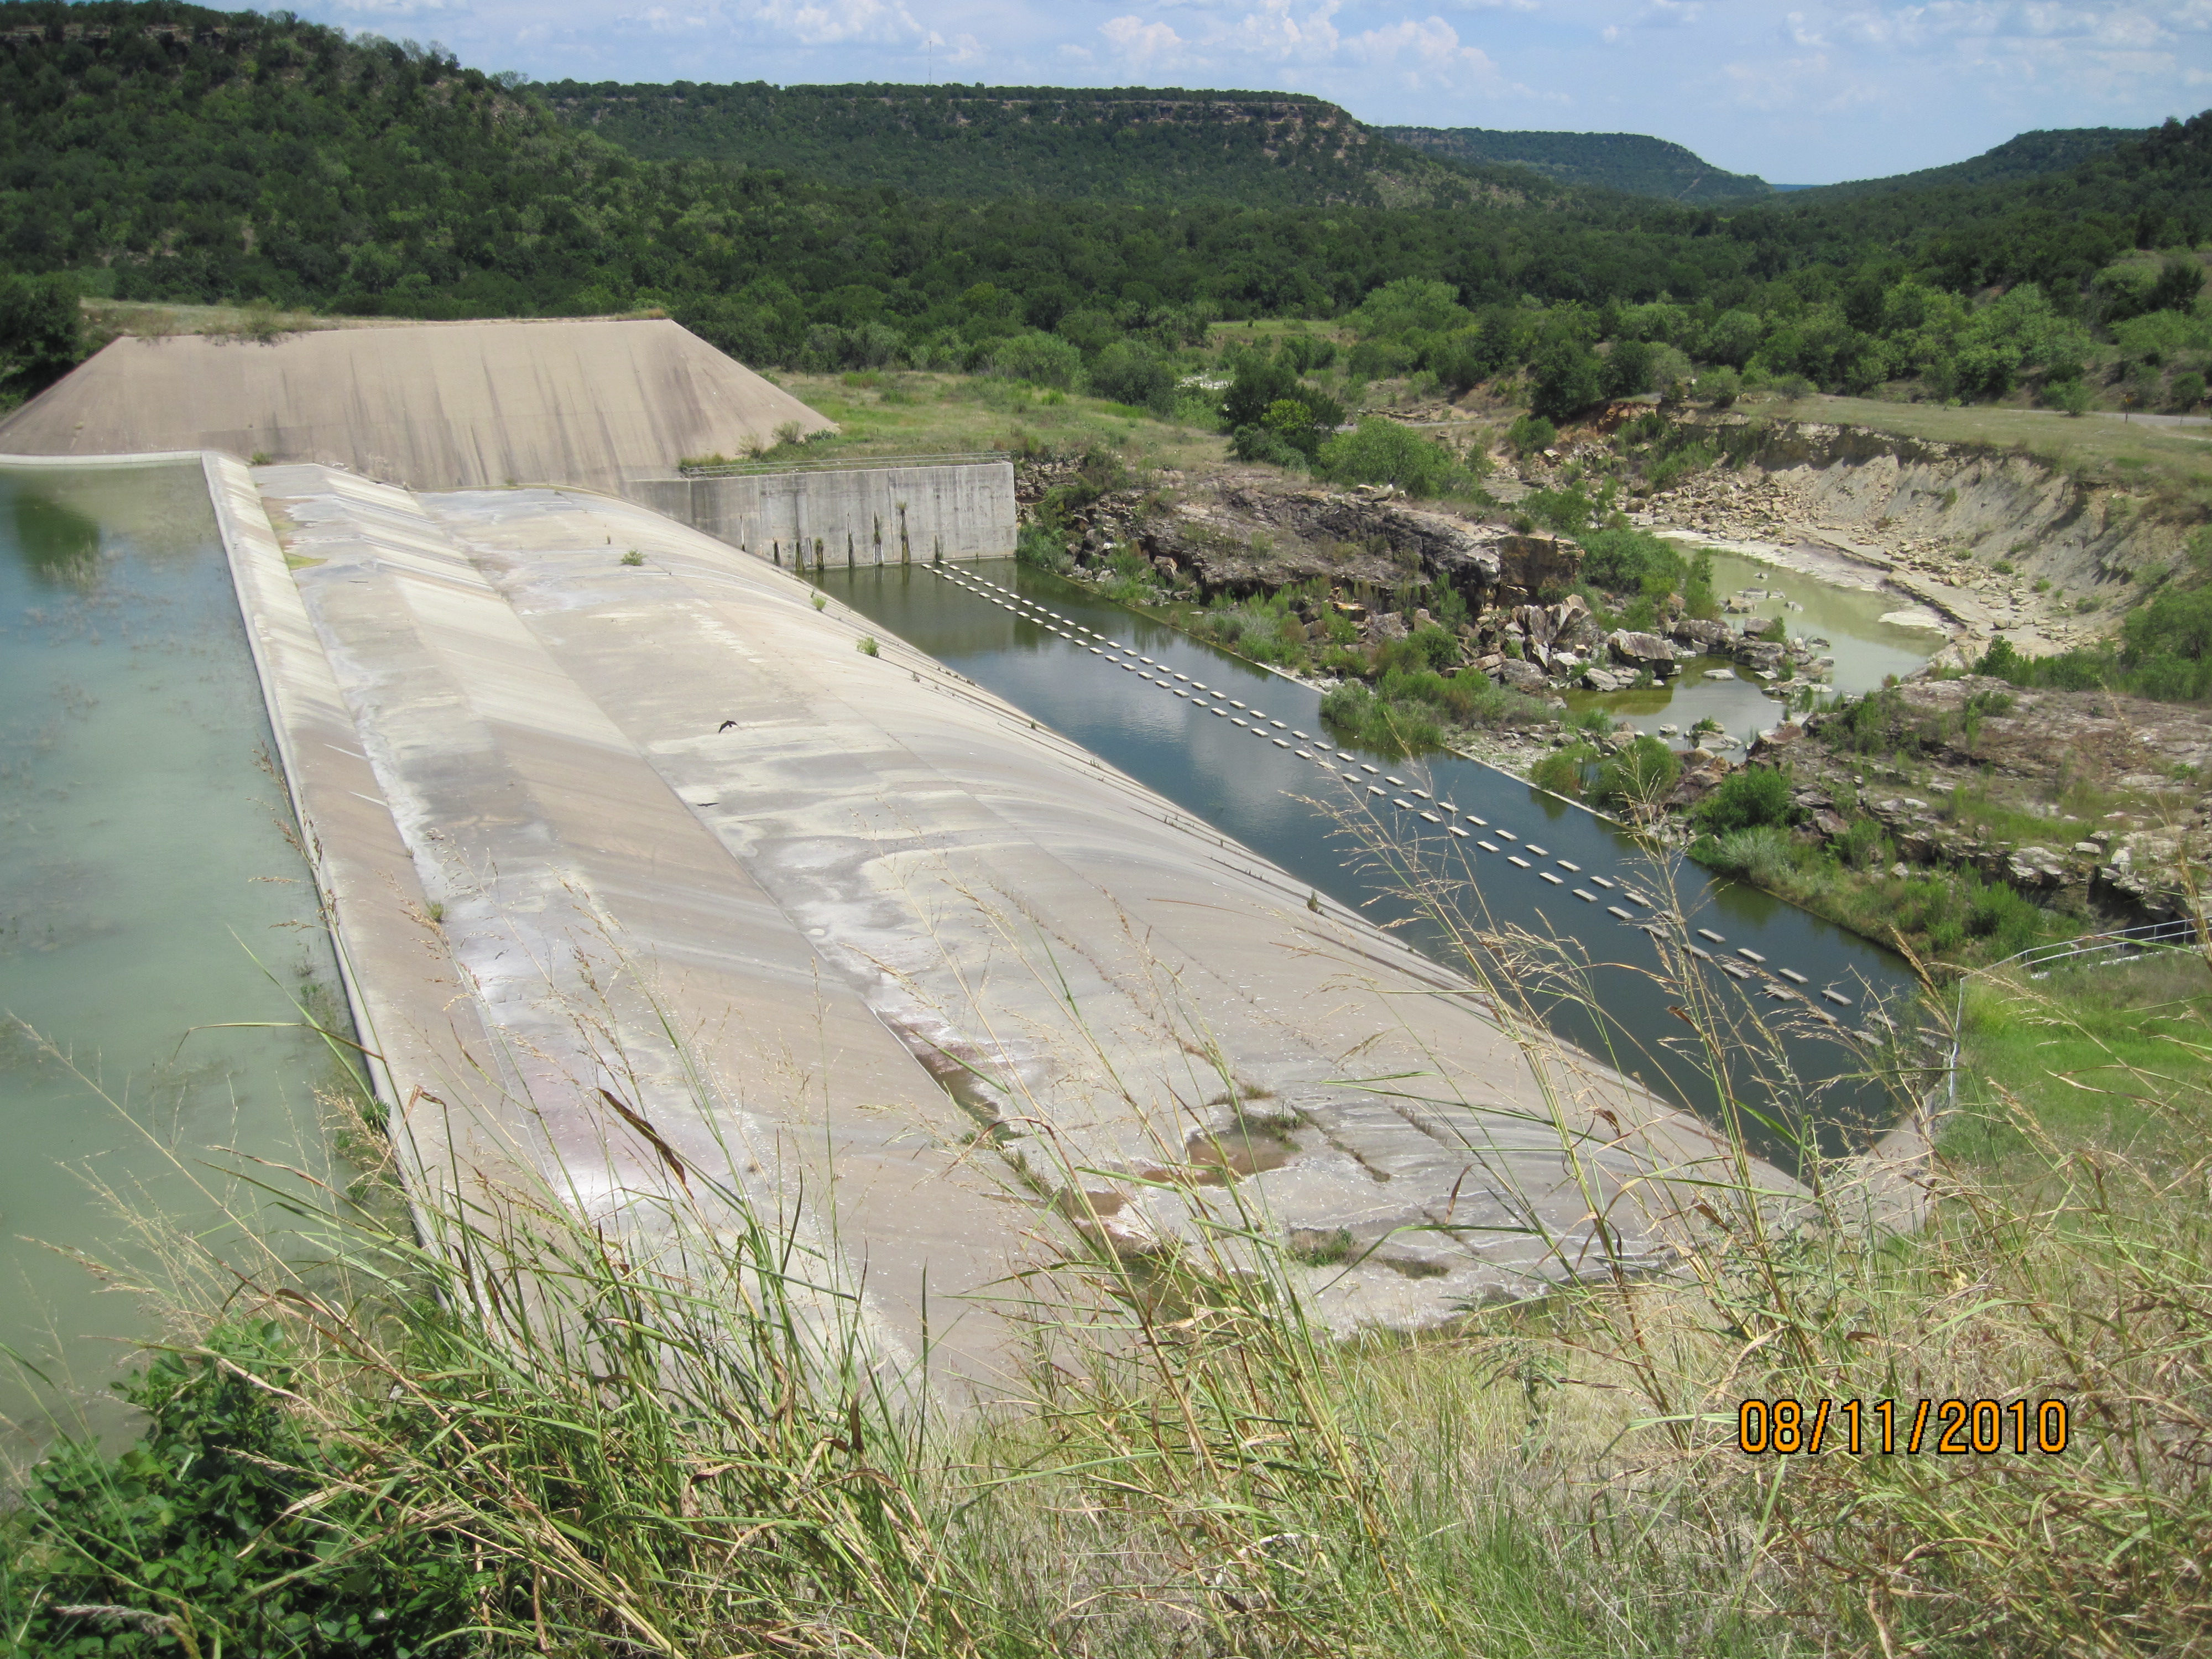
[(878, 514), (692, 846), (582, 403)]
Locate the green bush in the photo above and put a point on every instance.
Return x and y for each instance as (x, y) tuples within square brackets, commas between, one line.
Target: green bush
[(1040, 549), (1258, 443), (1750, 797), (1041, 359), (193, 1527), (1639, 777), (1761, 855), (1563, 770), (1132, 372), (1531, 434), (1567, 511), (1384, 451)]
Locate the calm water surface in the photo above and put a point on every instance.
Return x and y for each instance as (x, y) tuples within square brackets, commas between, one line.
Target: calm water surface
[(143, 871), (1258, 790)]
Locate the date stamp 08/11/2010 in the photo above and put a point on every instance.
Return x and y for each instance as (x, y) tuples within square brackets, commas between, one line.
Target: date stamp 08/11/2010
[(1888, 1428)]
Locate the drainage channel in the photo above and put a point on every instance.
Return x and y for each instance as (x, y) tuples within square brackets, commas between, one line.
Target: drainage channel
[(1245, 750)]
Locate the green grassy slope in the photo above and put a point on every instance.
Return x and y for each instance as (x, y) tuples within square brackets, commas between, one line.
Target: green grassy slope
[(1136, 144), (1628, 162)]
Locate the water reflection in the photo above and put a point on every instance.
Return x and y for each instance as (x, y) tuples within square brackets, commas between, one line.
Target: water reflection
[(1331, 833)]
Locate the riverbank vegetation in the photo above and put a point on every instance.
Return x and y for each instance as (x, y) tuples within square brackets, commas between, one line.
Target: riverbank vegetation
[(525, 1433)]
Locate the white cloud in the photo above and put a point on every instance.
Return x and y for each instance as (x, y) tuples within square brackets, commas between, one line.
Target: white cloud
[(1142, 44)]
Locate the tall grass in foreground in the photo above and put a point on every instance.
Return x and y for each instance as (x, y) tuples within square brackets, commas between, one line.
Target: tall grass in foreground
[(527, 1431)]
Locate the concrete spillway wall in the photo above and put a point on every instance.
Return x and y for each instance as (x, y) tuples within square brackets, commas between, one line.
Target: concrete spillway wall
[(871, 515)]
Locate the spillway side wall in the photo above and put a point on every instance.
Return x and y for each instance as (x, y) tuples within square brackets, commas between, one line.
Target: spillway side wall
[(863, 515)]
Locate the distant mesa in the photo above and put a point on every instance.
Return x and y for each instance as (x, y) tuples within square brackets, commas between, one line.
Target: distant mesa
[(1627, 161), (428, 405)]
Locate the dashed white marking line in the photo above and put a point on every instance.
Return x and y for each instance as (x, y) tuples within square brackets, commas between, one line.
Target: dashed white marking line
[(1515, 858)]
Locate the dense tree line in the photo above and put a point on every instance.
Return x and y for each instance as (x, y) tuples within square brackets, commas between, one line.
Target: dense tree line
[(1628, 162), (163, 151), (1159, 145)]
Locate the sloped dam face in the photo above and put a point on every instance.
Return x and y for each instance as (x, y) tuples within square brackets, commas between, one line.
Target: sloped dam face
[(643, 854), (1444, 851)]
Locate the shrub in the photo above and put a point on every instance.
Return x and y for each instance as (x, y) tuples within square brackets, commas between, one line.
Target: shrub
[(195, 1526), (1751, 797), (1562, 771), (1384, 451), (1530, 434), (1760, 855), (1720, 386), (1132, 372), (1041, 359), (1258, 443), (1040, 549), (1567, 511), (1640, 777)]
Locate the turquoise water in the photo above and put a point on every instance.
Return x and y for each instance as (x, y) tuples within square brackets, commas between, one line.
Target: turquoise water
[(149, 890)]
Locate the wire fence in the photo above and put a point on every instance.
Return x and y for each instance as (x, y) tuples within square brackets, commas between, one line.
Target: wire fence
[(2090, 950)]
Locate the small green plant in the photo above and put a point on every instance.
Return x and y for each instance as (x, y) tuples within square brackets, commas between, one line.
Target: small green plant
[(260, 457), (2003, 567), (633, 558), (819, 602), (2042, 584), (435, 910), (865, 644)]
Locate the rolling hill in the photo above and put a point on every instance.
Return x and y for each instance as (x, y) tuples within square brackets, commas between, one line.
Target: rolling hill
[(1627, 161), (2027, 155), (1131, 144)]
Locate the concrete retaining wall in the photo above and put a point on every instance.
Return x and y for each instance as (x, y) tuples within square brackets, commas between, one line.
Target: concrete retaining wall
[(871, 515)]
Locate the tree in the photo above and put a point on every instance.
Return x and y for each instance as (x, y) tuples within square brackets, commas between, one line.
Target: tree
[(1627, 369), (1131, 372), (1567, 378), (41, 334)]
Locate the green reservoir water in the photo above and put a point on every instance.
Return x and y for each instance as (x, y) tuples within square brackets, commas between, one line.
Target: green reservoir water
[(143, 869), (1866, 650)]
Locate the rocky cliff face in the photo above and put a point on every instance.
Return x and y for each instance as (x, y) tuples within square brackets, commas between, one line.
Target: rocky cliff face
[(1937, 517)]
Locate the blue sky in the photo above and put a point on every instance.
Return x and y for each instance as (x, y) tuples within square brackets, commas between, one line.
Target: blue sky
[(1801, 92)]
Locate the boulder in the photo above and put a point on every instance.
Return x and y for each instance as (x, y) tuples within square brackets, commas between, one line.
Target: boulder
[(1769, 746), (1532, 563), (1390, 626), (1521, 676), (1605, 679), (1760, 656), (1642, 650), (1703, 635)]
